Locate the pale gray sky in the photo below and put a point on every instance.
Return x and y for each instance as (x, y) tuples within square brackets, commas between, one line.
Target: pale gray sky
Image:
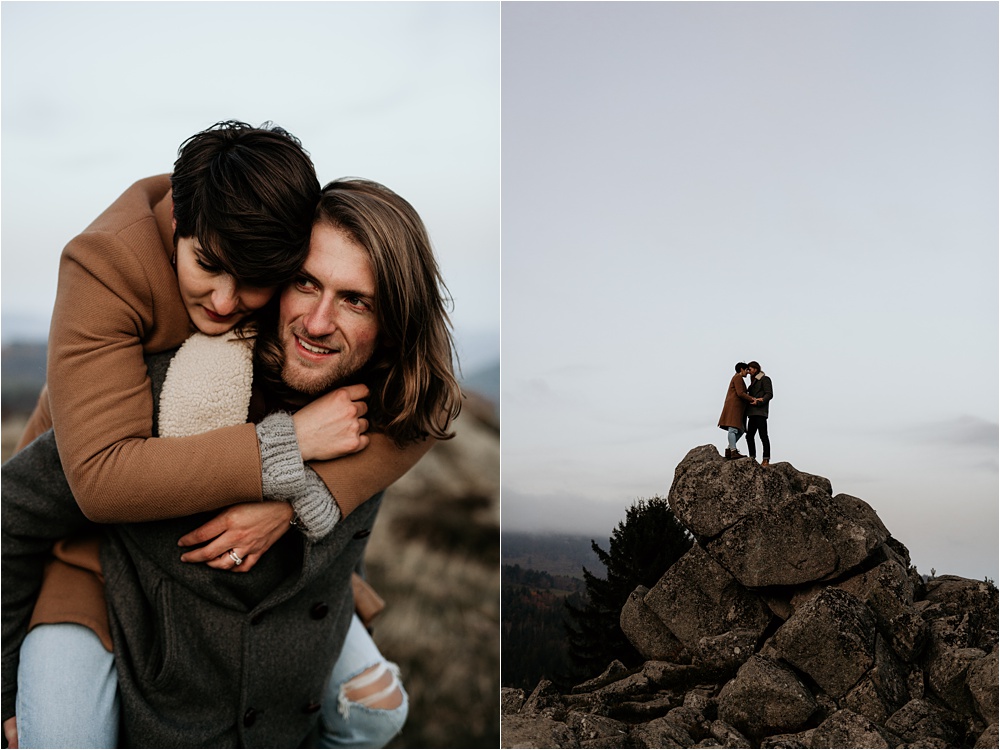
[(812, 185), (97, 95)]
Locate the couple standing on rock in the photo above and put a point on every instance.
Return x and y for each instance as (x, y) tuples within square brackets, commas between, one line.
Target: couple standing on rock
[(743, 405)]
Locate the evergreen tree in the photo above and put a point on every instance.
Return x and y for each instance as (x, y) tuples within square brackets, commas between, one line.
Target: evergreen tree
[(640, 550)]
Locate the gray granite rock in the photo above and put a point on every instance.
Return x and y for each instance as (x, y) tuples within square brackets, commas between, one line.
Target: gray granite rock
[(698, 598), (921, 719), (849, 729), (765, 698), (831, 638), (648, 633), (982, 683), (511, 700), (774, 526), (517, 731)]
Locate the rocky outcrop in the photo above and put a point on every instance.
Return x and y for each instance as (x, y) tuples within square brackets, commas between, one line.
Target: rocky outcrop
[(434, 556), (796, 621)]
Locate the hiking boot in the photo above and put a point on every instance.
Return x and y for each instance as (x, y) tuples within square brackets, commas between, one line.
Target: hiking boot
[(734, 453), (765, 462), (728, 451)]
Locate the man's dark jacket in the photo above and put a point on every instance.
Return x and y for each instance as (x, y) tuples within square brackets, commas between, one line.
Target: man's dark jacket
[(205, 658), (760, 388)]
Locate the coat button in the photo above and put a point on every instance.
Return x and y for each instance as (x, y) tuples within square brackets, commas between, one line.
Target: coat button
[(311, 708), (249, 717), (319, 610), (362, 534)]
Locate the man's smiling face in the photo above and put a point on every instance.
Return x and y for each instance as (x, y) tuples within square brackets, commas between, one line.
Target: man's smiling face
[(327, 320)]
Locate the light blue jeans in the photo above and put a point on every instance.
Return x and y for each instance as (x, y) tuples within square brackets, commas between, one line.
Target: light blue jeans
[(735, 433), (67, 689), (345, 723), (67, 693)]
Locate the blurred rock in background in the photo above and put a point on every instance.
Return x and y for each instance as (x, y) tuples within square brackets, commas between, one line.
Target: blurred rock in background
[(434, 556)]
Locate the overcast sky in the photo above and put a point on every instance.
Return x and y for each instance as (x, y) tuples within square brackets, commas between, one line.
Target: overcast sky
[(98, 95), (811, 185)]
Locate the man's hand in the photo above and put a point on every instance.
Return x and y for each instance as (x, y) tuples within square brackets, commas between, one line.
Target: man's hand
[(249, 529), (333, 425), (10, 732)]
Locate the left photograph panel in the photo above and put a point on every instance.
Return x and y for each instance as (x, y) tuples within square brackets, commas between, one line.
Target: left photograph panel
[(250, 374)]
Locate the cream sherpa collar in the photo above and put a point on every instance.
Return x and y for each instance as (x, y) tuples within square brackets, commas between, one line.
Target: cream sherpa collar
[(207, 385)]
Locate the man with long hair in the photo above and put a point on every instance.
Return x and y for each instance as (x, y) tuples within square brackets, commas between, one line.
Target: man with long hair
[(206, 660), (761, 391)]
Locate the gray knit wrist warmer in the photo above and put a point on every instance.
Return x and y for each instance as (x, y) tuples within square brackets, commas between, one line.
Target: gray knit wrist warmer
[(316, 508), (282, 470)]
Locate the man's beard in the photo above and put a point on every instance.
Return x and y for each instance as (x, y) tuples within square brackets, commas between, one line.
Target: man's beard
[(316, 382)]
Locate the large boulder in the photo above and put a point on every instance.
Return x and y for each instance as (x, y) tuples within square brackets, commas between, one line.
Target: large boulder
[(660, 733), (831, 638), (884, 689), (947, 674), (920, 720), (849, 729), (647, 632), (765, 698), (709, 494), (697, 597), (775, 526), (796, 621), (983, 686), (989, 738), (968, 607), (723, 655), (590, 728), (888, 591), (531, 731)]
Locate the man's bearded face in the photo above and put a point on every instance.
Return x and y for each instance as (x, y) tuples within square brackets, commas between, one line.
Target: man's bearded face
[(327, 322)]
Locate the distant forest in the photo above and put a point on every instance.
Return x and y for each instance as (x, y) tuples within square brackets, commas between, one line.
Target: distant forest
[(565, 625), (539, 574)]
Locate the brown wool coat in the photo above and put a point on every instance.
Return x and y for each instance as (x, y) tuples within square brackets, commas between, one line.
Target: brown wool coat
[(117, 301), (734, 410)]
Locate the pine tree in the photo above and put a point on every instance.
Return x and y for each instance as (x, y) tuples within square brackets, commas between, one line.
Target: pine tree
[(640, 550)]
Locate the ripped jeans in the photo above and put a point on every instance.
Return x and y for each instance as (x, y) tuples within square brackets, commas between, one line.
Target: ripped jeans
[(347, 718), (67, 692)]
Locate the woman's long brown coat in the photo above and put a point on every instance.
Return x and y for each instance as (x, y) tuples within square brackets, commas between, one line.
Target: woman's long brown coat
[(735, 409)]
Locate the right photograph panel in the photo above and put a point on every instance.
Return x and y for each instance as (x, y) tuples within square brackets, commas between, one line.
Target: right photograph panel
[(750, 351)]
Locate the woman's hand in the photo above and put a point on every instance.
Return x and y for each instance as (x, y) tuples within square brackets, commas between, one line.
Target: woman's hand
[(249, 529), (333, 425), (10, 732)]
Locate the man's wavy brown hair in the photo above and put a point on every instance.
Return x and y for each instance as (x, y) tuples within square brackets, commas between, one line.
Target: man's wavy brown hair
[(414, 392)]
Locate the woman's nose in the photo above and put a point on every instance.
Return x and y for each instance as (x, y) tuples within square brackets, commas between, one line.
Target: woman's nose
[(224, 298)]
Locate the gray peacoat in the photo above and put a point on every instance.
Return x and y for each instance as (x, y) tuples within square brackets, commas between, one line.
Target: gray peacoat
[(205, 658), (760, 387)]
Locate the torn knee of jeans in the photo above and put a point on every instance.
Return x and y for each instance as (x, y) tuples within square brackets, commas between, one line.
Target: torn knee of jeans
[(377, 687)]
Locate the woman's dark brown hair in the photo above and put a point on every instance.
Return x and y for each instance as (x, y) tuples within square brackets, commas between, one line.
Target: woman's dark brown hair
[(248, 195)]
